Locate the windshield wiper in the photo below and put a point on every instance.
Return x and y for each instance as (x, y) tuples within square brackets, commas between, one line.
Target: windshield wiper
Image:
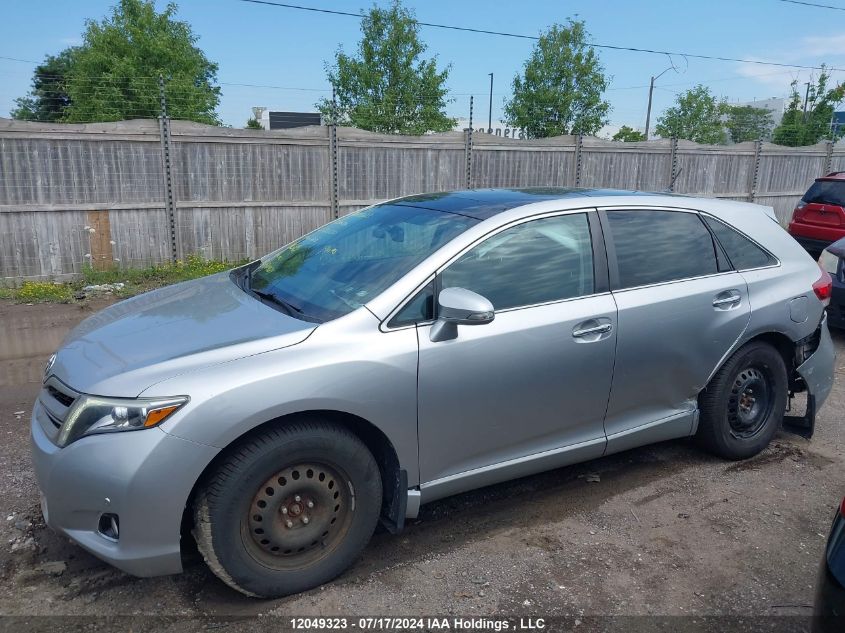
[(248, 270), (242, 276), (287, 306)]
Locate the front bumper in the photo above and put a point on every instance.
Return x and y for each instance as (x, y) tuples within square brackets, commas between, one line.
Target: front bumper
[(144, 477)]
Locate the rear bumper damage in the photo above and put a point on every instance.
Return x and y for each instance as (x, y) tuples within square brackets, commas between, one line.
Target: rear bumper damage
[(815, 376)]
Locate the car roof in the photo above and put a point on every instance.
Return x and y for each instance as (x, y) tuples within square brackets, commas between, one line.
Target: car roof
[(836, 175), (483, 204)]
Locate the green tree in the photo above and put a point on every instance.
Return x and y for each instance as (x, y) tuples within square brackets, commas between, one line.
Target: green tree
[(628, 135), (113, 74), (253, 124), (48, 100), (388, 86), (747, 123), (696, 116), (797, 128), (561, 86)]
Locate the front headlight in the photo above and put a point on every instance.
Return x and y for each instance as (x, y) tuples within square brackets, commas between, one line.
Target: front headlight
[(92, 414)]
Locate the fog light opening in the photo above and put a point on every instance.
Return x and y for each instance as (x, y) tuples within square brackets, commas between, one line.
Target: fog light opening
[(109, 526)]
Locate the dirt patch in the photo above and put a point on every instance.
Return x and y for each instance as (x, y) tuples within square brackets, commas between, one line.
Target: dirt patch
[(779, 452)]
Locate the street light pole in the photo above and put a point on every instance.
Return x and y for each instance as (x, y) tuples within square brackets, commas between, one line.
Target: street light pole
[(490, 109)]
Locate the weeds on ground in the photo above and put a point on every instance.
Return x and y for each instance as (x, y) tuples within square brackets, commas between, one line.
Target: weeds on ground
[(43, 291), (135, 280), (192, 267)]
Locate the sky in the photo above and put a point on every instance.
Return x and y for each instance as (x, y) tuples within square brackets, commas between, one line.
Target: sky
[(281, 53)]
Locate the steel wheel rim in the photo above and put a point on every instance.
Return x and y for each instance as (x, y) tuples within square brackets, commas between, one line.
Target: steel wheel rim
[(298, 516), (750, 403)]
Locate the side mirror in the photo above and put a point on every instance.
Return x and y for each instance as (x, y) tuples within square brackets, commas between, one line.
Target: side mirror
[(459, 306)]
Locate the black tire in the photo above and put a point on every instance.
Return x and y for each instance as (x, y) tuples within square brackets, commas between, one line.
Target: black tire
[(743, 406), (266, 481)]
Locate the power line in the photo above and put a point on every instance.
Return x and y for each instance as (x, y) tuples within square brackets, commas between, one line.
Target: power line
[(535, 38), (15, 59), (813, 4)]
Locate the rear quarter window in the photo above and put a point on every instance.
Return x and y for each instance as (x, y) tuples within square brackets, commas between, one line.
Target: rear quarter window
[(742, 252)]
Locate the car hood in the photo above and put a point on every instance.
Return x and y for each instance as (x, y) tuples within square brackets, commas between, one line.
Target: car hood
[(131, 345)]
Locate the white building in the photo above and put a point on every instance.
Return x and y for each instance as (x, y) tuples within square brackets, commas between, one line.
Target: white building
[(776, 105)]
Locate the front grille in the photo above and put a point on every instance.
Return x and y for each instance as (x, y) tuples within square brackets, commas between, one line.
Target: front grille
[(64, 398), (53, 420), (56, 399)]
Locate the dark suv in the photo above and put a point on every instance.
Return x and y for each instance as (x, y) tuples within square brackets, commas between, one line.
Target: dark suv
[(819, 219)]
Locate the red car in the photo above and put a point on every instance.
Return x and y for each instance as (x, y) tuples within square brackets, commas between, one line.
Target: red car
[(819, 219)]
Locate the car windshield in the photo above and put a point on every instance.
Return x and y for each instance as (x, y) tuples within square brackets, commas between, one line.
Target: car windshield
[(826, 192), (346, 263)]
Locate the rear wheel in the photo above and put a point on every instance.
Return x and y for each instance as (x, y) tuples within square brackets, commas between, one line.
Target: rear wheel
[(288, 509), (743, 406)]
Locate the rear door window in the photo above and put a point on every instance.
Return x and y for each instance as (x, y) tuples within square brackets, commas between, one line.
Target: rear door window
[(654, 246), (742, 252)]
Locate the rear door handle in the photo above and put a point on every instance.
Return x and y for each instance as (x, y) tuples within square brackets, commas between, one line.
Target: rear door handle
[(597, 329), (727, 299)]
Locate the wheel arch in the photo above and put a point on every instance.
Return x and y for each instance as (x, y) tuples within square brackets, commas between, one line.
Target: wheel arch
[(394, 479), (781, 342), (784, 345)]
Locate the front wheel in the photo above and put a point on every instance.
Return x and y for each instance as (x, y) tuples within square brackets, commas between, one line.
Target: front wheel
[(288, 509), (743, 406)]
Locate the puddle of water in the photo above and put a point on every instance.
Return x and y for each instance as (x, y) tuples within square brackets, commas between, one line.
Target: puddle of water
[(27, 338)]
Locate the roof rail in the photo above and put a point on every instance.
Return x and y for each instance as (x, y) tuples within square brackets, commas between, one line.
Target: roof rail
[(835, 173)]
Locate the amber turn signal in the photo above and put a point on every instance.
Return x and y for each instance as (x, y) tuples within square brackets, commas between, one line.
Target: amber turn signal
[(157, 415)]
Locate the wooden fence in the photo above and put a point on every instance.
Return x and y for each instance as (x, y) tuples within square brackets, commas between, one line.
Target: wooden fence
[(104, 195)]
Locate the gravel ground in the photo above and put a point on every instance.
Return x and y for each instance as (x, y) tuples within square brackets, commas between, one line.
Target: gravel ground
[(662, 530)]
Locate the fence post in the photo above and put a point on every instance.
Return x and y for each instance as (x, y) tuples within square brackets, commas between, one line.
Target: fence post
[(755, 172), (333, 175), (828, 163), (576, 176), (468, 148), (166, 151), (673, 163)]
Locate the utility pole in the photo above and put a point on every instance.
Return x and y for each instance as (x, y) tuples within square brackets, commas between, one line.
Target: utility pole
[(650, 93), (806, 98), (648, 111), (166, 154), (490, 109)]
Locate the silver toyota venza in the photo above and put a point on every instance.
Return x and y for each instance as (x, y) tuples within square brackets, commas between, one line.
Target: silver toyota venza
[(413, 350)]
